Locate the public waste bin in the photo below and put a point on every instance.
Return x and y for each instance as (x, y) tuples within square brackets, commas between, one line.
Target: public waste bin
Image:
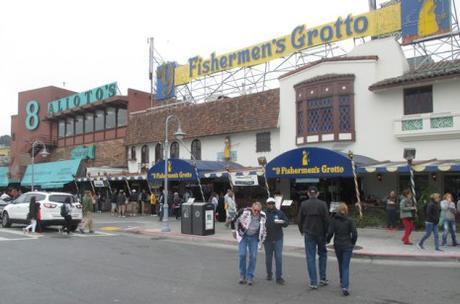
[(203, 219), (186, 219)]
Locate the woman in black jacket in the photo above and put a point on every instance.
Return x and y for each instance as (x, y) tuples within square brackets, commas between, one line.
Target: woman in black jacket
[(431, 221), (34, 209), (345, 235)]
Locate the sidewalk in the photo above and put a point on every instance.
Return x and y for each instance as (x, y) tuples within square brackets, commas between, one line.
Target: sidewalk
[(372, 243)]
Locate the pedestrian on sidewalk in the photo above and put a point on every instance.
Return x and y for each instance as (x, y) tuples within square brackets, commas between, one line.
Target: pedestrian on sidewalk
[(153, 204), (121, 203), (161, 203), (431, 221), (248, 227), (275, 221), (66, 213), (390, 210), (132, 205), (313, 224), (34, 209), (87, 213), (407, 211), (449, 209), (343, 229), (230, 207), (113, 202), (176, 205)]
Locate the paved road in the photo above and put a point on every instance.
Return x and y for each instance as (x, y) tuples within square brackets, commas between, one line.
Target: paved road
[(126, 268)]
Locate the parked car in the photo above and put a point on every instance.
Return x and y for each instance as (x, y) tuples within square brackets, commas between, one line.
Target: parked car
[(3, 203), (50, 209)]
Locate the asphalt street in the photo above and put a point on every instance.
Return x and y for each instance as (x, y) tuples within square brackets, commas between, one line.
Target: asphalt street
[(127, 268)]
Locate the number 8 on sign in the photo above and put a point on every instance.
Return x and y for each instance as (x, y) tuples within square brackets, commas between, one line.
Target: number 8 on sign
[(32, 119)]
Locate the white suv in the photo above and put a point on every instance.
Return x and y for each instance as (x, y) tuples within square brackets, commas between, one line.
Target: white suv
[(50, 209)]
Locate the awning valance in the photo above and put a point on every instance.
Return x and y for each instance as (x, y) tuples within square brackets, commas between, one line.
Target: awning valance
[(52, 173), (4, 180), (187, 170), (418, 166), (313, 163)]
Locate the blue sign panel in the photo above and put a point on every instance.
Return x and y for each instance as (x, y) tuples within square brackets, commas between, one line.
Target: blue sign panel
[(424, 18), (84, 98), (178, 170), (165, 81), (309, 163)]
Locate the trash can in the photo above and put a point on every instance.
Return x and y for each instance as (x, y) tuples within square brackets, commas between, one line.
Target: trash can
[(186, 219), (203, 219)]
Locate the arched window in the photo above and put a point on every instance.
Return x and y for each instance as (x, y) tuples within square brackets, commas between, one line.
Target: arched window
[(144, 154), (132, 153), (196, 149), (174, 153), (158, 152)]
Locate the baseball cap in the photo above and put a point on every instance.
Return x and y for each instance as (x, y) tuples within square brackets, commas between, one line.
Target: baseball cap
[(312, 190), (271, 200)]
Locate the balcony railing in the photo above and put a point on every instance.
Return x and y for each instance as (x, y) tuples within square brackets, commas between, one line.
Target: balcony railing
[(426, 126)]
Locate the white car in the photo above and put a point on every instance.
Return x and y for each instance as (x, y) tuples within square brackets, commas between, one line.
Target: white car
[(50, 209)]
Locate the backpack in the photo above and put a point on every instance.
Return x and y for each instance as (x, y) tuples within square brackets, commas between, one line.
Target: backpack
[(64, 211)]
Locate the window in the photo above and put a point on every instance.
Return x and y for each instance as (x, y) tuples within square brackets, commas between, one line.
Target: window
[(121, 117), (61, 128), (325, 111), (110, 118), (144, 154), (174, 153), (99, 120), (158, 152), (263, 142), (69, 124), (132, 153), (79, 124), (418, 100), (89, 122), (196, 149)]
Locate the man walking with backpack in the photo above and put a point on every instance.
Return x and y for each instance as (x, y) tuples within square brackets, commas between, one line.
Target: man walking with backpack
[(313, 224)]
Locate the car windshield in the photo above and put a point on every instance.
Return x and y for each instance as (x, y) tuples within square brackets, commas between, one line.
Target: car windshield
[(38, 197), (60, 198)]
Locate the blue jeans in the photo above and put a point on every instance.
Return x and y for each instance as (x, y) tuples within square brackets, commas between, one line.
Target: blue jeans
[(312, 244), (344, 258), (248, 243), (449, 227), (274, 247), (429, 228), (391, 217)]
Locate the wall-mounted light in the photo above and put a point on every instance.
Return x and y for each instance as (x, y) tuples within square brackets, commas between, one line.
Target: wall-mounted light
[(379, 177), (434, 176)]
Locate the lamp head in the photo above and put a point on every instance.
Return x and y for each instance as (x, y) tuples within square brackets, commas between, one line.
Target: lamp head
[(179, 133), (409, 154), (44, 152), (262, 160)]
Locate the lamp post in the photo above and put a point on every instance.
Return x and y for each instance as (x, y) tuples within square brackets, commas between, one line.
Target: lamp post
[(43, 153), (179, 135), (263, 162), (409, 155), (355, 179)]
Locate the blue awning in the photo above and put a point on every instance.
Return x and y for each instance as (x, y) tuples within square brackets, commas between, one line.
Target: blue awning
[(311, 163), (4, 180), (52, 173), (186, 170)]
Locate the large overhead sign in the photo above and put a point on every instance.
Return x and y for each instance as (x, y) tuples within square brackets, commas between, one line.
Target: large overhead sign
[(421, 18), (84, 98)]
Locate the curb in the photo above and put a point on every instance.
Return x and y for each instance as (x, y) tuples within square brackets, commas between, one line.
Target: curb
[(363, 254)]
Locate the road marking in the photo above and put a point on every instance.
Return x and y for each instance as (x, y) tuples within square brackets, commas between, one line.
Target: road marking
[(111, 228), (97, 233)]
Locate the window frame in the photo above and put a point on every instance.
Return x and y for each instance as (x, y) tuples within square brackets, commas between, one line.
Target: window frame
[(175, 150), (417, 108), (96, 129), (85, 127), (106, 118), (195, 148), (82, 125), (145, 154), (159, 152), (262, 144)]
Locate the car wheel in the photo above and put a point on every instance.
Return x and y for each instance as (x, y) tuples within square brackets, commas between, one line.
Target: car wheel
[(6, 223)]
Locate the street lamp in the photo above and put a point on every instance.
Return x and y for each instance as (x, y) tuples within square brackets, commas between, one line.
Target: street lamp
[(43, 153), (262, 160), (179, 135)]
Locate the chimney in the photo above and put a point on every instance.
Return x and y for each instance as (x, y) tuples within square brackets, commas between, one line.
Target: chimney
[(372, 5)]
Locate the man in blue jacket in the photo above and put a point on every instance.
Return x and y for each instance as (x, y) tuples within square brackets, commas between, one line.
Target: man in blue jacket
[(276, 220)]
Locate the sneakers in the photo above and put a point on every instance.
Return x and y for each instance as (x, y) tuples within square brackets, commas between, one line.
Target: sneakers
[(269, 277), (242, 281), (91, 231), (420, 246), (250, 282), (280, 281), (323, 282), (313, 286), (438, 249), (345, 292), (81, 231)]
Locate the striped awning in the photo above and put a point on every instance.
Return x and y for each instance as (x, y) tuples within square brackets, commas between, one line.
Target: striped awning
[(218, 174), (418, 166), (112, 178)]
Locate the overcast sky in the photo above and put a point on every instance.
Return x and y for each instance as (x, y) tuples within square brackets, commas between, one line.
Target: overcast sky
[(83, 44)]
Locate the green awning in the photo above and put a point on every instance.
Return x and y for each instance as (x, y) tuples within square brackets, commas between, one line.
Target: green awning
[(52, 186), (4, 181), (54, 174)]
